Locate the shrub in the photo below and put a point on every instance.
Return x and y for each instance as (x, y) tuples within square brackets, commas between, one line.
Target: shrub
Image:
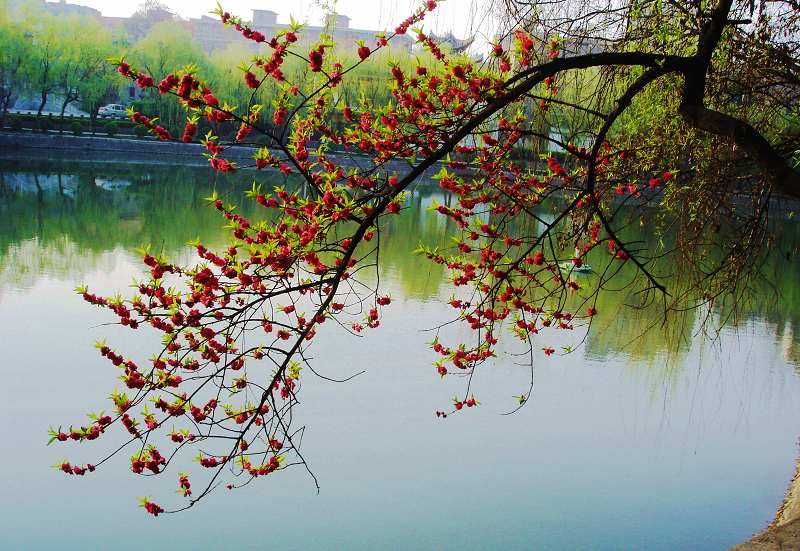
[(44, 124), (112, 128), (140, 131), (16, 124), (77, 128)]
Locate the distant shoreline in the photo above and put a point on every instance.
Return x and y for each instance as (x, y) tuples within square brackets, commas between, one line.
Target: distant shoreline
[(17, 145), (784, 531), (27, 145)]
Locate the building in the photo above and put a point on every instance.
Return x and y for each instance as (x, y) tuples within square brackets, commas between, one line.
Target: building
[(213, 36), (62, 9), (455, 45)]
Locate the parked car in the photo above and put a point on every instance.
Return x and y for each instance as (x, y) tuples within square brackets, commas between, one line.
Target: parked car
[(114, 110)]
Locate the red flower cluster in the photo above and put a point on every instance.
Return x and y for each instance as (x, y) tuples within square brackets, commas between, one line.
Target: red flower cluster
[(251, 80), (152, 508), (315, 58), (155, 129), (189, 131), (291, 268)]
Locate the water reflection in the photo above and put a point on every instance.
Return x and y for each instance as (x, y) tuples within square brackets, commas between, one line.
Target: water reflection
[(641, 440), (61, 218)]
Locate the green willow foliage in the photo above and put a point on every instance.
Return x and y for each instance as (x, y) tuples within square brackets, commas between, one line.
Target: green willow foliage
[(58, 57)]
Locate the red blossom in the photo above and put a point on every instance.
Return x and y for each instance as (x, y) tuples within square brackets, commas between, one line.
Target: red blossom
[(315, 60)]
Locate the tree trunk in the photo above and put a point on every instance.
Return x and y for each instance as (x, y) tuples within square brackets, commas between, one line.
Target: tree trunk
[(5, 102), (693, 110), (43, 103), (63, 108)]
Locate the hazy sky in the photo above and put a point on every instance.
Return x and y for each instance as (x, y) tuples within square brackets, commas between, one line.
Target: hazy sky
[(455, 15)]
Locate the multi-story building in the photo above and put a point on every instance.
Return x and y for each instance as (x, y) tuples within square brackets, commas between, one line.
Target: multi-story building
[(62, 9), (212, 35), (209, 32)]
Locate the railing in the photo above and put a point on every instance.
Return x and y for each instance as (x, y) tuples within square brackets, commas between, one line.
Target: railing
[(54, 115)]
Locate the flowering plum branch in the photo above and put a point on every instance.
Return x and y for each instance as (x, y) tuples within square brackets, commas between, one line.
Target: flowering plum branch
[(237, 324)]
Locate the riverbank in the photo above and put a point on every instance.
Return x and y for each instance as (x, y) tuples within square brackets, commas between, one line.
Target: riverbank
[(34, 146), (778, 538), (29, 145), (784, 532)]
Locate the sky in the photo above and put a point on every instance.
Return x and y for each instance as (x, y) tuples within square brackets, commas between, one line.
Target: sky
[(452, 15)]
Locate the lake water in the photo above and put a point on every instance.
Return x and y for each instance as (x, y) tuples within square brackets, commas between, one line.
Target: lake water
[(659, 443)]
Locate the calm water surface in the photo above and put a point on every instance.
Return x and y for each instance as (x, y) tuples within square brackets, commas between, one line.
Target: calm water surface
[(661, 443)]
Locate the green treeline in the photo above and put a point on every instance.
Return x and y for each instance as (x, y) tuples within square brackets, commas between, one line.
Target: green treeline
[(65, 61), (43, 58)]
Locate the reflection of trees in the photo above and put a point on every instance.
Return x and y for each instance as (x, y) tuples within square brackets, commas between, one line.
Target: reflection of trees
[(639, 331), (64, 233), (775, 297), (417, 276), (71, 213), (21, 263), (630, 321), (643, 333)]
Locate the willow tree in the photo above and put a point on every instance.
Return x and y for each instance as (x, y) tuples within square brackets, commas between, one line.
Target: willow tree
[(166, 45), (237, 325), (40, 66), (15, 48), (82, 67)]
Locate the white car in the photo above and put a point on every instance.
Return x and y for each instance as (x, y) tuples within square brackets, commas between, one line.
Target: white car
[(113, 110)]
